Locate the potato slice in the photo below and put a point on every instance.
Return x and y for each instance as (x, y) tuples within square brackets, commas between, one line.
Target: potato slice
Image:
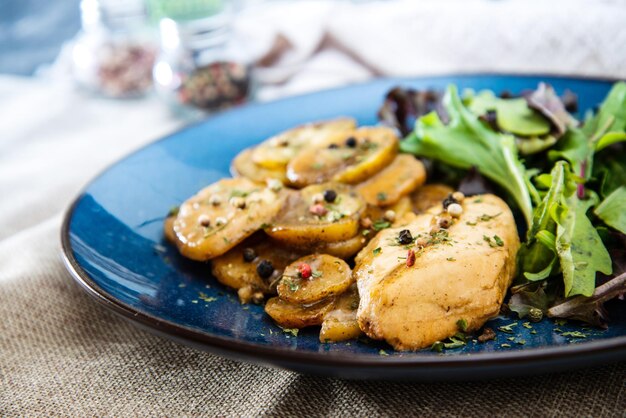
[(340, 323), (290, 315), (168, 229), (211, 223), (398, 179), (337, 221), (243, 166), (342, 249), (429, 195), (276, 152), (330, 276), (348, 157), (238, 270)]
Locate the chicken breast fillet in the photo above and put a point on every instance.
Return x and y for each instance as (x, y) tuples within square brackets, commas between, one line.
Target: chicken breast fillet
[(459, 273)]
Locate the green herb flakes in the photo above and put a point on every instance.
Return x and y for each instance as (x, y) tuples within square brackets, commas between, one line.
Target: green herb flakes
[(574, 334), (382, 353), (381, 196), (451, 259), (206, 298), (527, 325), (377, 251), (508, 329), (380, 225), (461, 324), (292, 331), (505, 345)]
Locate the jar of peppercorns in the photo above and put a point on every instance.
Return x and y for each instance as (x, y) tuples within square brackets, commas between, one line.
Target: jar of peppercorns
[(115, 51), (199, 67)]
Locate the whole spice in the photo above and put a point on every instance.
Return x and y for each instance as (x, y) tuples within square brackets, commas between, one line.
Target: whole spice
[(330, 195), (249, 255), (318, 209), (351, 142), (405, 237), (305, 270), (265, 269), (410, 258)]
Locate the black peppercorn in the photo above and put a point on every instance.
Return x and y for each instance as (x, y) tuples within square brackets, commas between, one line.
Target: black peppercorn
[(448, 201), (249, 255), (330, 195), (351, 142), (405, 237), (265, 269)]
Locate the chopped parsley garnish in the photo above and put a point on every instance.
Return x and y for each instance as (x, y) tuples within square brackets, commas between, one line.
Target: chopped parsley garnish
[(382, 353), (203, 296), (381, 196), (505, 345), (377, 251), (292, 331), (508, 329), (380, 225), (239, 193), (574, 334), (527, 325), (497, 241), (451, 259), (461, 325), (317, 274)]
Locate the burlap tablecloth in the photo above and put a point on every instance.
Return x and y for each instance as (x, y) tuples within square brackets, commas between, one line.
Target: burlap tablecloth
[(61, 354)]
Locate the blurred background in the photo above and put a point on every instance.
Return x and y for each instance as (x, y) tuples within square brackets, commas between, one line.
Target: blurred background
[(213, 54)]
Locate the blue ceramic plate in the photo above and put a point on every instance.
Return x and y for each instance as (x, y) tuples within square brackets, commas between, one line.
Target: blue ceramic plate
[(112, 239)]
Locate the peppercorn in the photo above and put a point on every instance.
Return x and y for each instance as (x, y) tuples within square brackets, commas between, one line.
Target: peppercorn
[(249, 255), (330, 195), (410, 258), (305, 270), (405, 237), (535, 314), (265, 269), (351, 142), (448, 201)]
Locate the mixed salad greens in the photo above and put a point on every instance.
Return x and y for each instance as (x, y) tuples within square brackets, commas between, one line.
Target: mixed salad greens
[(565, 177)]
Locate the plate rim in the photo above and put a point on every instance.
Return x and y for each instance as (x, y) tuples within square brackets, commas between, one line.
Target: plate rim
[(254, 351)]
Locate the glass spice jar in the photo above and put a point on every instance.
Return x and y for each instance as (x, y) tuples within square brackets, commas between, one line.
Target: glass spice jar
[(199, 67), (115, 51)]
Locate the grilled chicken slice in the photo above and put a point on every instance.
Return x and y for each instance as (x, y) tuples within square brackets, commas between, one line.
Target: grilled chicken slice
[(462, 272)]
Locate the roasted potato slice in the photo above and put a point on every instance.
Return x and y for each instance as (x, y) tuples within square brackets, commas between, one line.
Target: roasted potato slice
[(222, 215), (348, 157), (398, 179), (307, 219), (276, 152), (327, 276), (429, 195), (240, 267), (168, 229), (291, 315), (342, 249), (243, 166), (340, 323)]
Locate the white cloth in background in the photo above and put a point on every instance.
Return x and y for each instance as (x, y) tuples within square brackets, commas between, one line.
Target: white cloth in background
[(61, 354)]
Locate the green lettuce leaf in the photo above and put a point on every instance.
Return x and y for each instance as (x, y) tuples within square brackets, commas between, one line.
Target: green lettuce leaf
[(581, 250), (512, 115), (465, 142), (611, 116), (612, 210)]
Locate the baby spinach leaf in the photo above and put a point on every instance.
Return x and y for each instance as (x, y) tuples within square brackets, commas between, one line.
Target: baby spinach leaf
[(612, 210), (512, 115), (581, 251)]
